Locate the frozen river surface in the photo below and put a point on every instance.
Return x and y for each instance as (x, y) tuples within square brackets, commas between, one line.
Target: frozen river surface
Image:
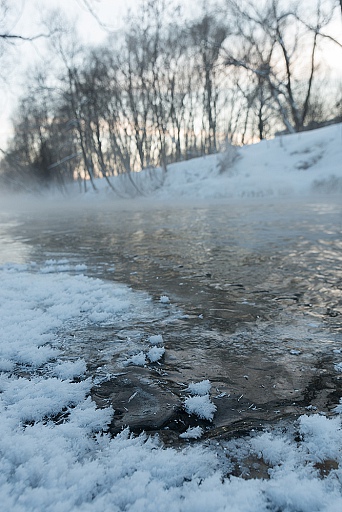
[(255, 304)]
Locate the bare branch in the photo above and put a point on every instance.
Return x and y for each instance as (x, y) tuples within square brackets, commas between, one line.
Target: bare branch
[(11, 37)]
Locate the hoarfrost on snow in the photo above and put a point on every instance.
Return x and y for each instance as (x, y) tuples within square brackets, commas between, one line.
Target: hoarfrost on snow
[(70, 369)]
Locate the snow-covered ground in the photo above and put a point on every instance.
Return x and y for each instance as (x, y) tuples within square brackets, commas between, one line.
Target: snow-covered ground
[(288, 165), (55, 452), (56, 455)]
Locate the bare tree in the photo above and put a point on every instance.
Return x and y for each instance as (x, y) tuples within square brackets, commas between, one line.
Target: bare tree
[(271, 41)]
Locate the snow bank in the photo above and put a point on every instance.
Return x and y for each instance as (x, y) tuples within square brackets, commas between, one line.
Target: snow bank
[(295, 164)]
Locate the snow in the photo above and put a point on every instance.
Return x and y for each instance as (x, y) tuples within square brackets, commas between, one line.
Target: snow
[(155, 354), (164, 299), (156, 339), (192, 433), (338, 367), (199, 388), (288, 165), (201, 406), (55, 452), (137, 359)]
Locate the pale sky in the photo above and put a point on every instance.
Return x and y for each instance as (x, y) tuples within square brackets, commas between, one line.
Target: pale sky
[(25, 20)]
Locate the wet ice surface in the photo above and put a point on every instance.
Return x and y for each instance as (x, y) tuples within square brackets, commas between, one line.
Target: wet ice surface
[(255, 305)]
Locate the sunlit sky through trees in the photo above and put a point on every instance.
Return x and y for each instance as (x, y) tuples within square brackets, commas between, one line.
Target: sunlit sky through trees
[(94, 20)]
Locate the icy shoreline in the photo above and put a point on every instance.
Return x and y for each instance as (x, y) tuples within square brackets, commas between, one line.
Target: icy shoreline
[(55, 454)]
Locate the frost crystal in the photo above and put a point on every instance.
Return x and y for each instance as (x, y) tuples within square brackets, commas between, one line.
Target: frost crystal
[(156, 339), (199, 388), (155, 353), (137, 360), (338, 367), (164, 299), (192, 433), (201, 406)]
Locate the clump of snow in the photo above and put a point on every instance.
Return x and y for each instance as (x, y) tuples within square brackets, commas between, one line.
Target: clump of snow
[(192, 433), (155, 354), (201, 406), (199, 388), (156, 339), (137, 360), (164, 299), (70, 369)]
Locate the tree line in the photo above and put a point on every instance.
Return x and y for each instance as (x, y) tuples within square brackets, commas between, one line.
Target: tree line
[(168, 89)]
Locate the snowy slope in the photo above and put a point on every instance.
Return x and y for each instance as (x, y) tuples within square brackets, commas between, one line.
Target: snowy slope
[(302, 163)]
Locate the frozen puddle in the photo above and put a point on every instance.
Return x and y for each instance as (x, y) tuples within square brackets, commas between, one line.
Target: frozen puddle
[(56, 453)]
